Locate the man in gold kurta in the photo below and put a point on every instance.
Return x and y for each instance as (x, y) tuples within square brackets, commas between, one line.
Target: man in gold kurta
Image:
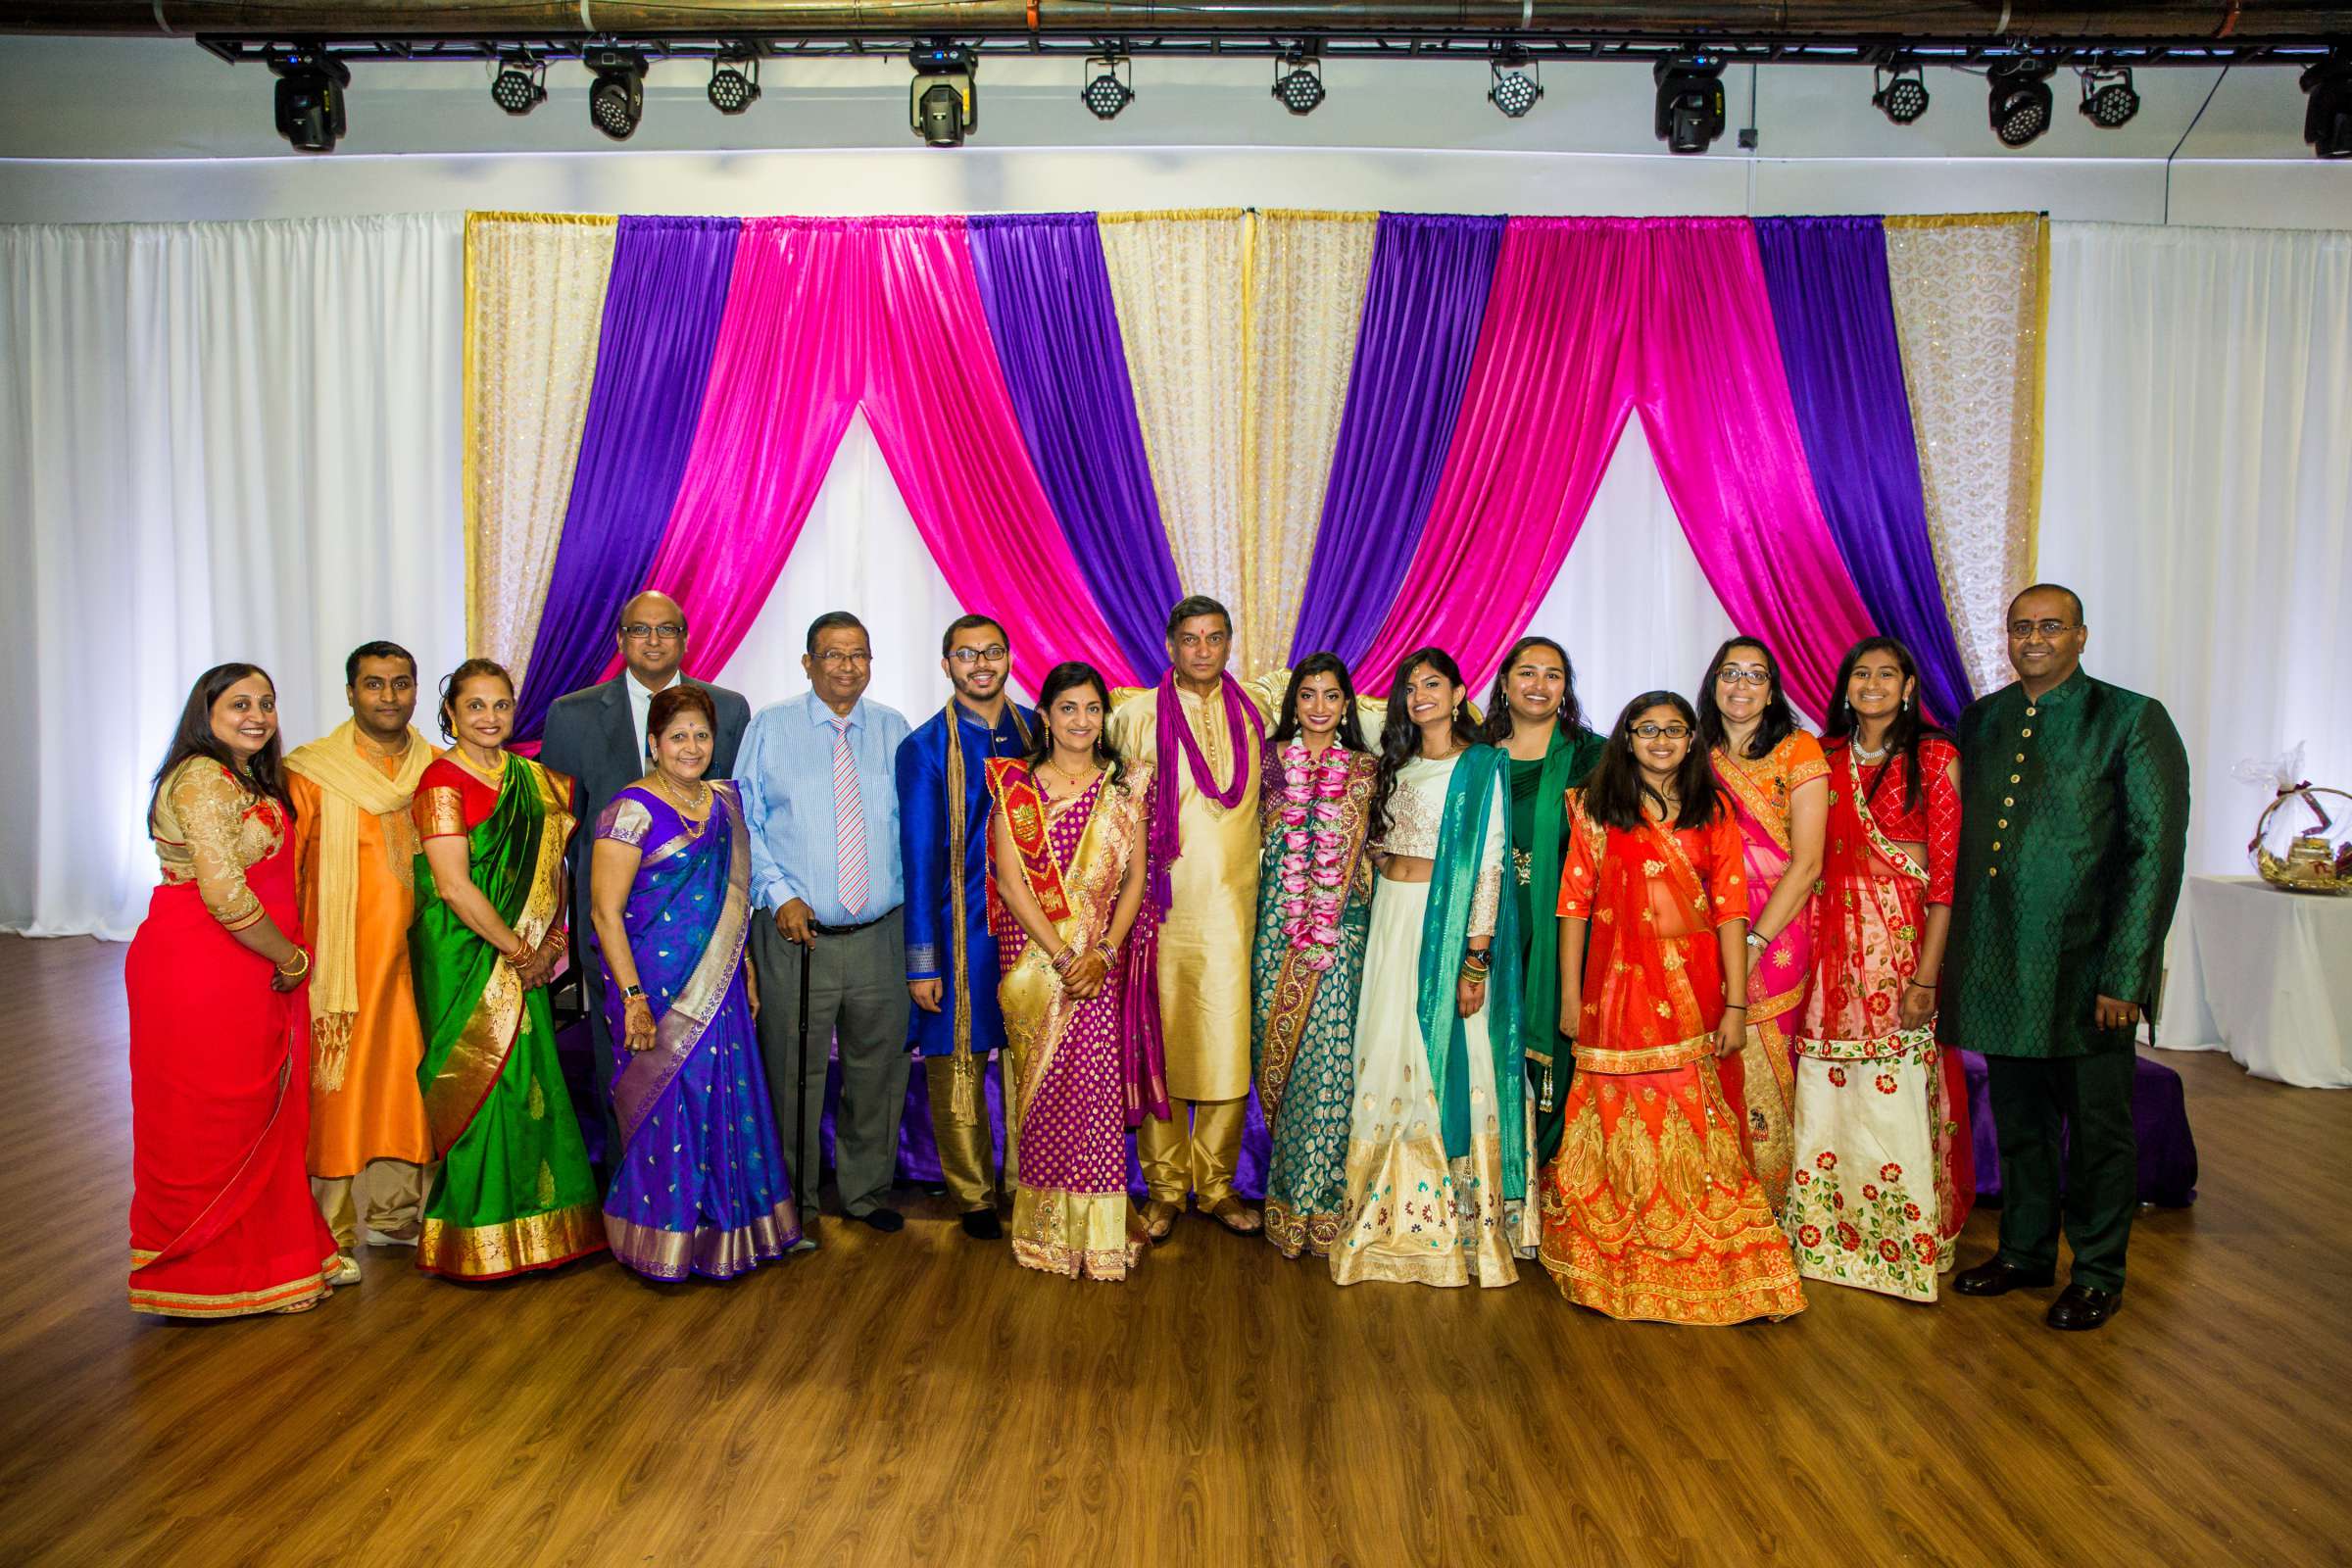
[(355, 850), (1204, 935)]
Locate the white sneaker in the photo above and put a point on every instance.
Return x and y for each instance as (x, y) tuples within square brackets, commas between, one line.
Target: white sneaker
[(375, 1238), (346, 1270)]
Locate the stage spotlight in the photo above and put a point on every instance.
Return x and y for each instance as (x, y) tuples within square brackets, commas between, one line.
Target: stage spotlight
[(2108, 98), (2327, 118), (1301, 87), (1518, 83), (942, 103), (519, 86), (617, 98), (734, 83), (1902, 94), (309, 98), (2020, 103), (1107, 91), (1690, 112)]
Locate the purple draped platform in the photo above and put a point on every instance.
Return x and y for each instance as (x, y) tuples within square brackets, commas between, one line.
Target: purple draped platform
[(2168, 1150)]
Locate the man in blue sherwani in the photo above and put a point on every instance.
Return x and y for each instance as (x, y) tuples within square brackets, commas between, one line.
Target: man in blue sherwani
[(951, 968)]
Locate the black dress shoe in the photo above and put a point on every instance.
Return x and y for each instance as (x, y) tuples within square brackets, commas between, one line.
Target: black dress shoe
[(2084, 1307), (885, 1221), (981, 1225), (1999, 1278)]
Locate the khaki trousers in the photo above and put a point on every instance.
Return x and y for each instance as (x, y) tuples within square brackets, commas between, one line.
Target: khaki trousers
[(1197, 1149), (394, 1200)]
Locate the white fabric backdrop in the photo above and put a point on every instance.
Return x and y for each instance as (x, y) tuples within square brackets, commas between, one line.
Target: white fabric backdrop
[(2197, 491), (241, 440), (216, 441)]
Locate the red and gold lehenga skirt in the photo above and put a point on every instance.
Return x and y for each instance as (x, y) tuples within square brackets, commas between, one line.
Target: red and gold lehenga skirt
[(221, 1218)]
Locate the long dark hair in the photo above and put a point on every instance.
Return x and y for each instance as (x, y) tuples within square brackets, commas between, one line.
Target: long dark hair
[(1903, 736), (1614, 794), (455, 682), (1351, 734), (1498, 707), (1779, 721), (1061, 678), (1400, 737), (264, 774)]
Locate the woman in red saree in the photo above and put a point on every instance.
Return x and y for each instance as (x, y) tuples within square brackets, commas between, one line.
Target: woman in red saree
[(1884, 1179), (1773, 775), (1649, 1209), (221, 1220)]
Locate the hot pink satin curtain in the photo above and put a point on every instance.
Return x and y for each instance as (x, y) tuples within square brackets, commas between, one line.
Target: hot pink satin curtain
[(1590, 320), (784, 381), (823, 315), (945, 422)]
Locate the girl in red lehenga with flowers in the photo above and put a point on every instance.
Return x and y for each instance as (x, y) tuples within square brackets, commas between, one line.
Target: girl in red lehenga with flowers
[(1883, 1181), (1649, 1209)]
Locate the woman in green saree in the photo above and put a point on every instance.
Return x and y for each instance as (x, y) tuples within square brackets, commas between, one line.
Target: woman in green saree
[(1533, 716), (515, 1191)]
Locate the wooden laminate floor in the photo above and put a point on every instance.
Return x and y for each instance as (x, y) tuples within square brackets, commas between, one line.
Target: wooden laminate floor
[(920, 1399)]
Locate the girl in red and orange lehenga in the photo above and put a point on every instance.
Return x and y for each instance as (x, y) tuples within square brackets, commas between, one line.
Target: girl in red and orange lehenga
[(1651, 1209)]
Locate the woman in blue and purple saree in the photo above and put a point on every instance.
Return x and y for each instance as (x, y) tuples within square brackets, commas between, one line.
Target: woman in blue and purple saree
[(699, 1186)]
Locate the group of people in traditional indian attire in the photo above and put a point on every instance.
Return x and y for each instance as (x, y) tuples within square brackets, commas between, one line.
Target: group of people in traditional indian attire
[(1674, 1007)]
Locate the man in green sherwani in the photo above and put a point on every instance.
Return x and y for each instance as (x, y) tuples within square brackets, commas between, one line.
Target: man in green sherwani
[(2072, 826)]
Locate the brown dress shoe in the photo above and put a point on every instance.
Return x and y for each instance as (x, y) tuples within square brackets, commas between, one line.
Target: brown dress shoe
[(1998, 1277), (1230, 1213), (1159, 1219)]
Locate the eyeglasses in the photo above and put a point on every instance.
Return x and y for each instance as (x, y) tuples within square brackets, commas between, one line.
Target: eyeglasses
[(836, 659), (1656, 732), (2019, 630), (637, 631), (1739, 677), (972, 655)]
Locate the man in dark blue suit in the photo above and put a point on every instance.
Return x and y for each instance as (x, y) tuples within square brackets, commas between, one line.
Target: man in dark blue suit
[(597, 736)]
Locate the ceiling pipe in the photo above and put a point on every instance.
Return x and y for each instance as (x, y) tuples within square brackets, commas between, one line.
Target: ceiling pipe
[(2082, 21)]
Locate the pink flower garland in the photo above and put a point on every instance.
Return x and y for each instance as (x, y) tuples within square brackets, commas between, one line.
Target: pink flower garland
[(1314, 879)]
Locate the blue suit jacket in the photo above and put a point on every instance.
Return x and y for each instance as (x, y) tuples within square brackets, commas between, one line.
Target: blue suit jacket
[(933, 945)]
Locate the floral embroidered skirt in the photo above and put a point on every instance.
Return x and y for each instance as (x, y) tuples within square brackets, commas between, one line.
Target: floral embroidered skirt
[(1409, 1213), (1649, 1209), (1862, 1207)]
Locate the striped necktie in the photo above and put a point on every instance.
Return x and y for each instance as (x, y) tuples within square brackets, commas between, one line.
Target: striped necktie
[(849, 822)]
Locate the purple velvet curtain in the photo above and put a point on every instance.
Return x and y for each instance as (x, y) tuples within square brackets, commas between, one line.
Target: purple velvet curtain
[(661, 323), (1830, 302), (1047, 291), (1423, 305)]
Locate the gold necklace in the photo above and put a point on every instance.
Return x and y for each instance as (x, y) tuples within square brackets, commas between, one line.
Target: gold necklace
[(670, 792), (1076, 784)]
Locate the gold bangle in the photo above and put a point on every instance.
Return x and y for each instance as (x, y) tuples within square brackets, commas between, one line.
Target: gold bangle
[(285, 973)]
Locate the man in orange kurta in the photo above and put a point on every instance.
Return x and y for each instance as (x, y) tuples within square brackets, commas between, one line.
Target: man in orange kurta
[(355, 851)]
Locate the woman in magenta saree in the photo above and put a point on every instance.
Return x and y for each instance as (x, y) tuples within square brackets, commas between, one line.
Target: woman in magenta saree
[(1067, 863), (700, 1186)]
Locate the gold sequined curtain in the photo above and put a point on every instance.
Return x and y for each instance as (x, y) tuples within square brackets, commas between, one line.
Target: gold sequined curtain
[(1971, 303), (534, 309), (1178, 279), (1305, 287)]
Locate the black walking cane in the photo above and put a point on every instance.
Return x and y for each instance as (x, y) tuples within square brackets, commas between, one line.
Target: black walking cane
[(799, 1110)]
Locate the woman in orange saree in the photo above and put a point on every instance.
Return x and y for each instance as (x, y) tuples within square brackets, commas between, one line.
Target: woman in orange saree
[(1649, 1209), (1773, 775), (222, 1219)]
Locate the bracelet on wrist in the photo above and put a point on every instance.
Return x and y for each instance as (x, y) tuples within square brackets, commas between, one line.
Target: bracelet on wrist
[(1734, 1006), (300, 966), (1924, 985), (1063, 959)]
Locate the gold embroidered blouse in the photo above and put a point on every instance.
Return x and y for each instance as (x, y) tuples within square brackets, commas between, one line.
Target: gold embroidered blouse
[(207, 830)]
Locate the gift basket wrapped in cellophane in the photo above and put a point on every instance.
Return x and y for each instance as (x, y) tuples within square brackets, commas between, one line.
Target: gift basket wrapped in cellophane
[(2303, 841)]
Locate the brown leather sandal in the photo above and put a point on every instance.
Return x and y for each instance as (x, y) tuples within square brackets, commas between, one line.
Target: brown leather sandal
[(1159, 1219), (1230, 1213)]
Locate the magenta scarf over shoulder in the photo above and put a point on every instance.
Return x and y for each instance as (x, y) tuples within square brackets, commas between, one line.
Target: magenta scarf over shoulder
[(1176, 736)]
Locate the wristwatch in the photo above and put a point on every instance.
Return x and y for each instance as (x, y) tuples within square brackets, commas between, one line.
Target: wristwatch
[(1757, 940), (632, 994)]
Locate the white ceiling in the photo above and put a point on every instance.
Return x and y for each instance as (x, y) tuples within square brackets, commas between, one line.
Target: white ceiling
[(78, 98)]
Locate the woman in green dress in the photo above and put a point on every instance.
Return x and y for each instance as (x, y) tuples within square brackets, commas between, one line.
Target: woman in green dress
[(515, 1190), (1534, 716), (1314, 904)]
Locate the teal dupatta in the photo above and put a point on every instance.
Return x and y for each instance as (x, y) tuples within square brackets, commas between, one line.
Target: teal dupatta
[(1475, 789)]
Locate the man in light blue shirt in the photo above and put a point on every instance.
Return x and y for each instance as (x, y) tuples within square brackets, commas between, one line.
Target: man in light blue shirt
[(820, 799)]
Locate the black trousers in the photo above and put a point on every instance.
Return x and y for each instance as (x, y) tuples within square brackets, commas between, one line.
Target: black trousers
[(2069, 1159)]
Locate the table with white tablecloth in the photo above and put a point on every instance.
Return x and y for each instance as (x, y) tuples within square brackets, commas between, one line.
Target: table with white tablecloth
[(2265, 975)]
